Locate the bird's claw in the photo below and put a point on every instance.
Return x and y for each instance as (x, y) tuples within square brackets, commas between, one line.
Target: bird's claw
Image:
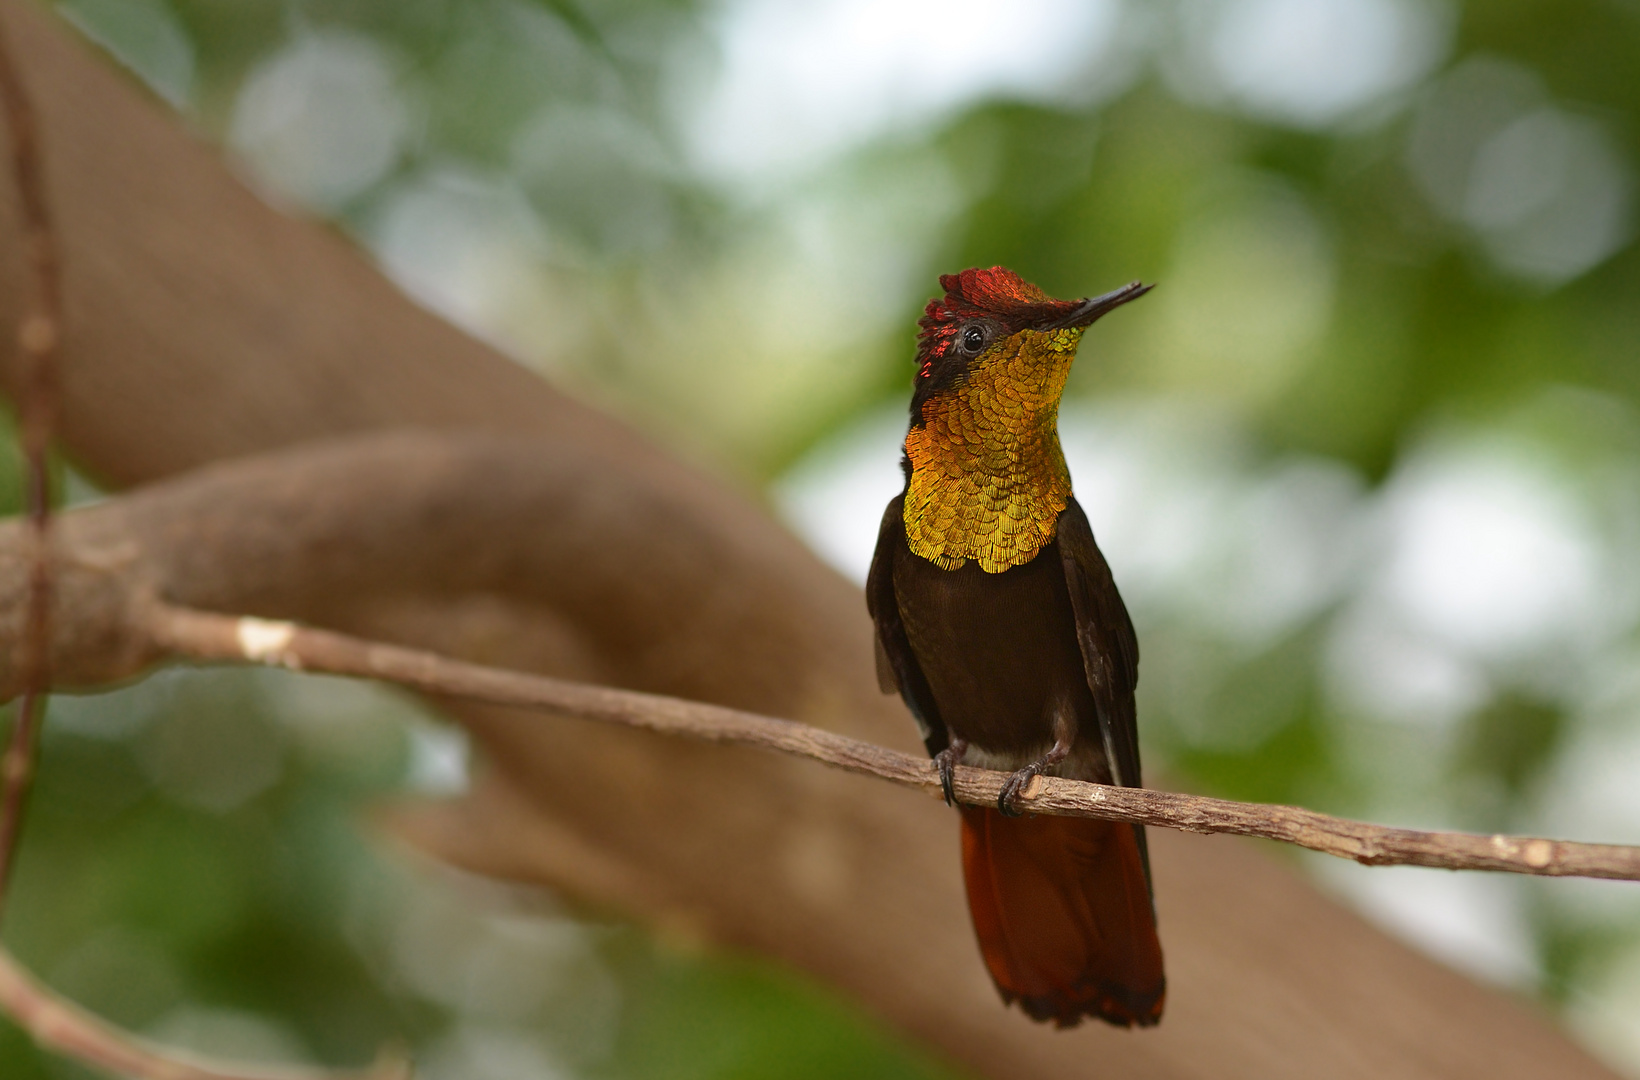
[(946, 762), (1014, 785)]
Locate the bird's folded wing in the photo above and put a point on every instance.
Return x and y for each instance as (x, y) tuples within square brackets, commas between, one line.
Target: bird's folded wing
[(897, 667)]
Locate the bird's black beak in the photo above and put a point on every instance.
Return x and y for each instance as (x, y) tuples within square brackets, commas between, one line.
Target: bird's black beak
[(1095, 306)]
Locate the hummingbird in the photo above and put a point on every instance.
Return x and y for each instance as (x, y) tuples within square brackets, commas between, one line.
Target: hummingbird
[(998, 622)]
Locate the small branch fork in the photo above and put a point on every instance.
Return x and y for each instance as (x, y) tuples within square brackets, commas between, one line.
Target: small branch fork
[(205, 636)]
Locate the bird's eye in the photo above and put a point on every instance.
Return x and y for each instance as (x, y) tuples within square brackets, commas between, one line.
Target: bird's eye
[(973, 339)]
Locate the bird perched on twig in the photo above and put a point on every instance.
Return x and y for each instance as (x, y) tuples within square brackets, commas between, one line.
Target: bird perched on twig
[(999, 624)]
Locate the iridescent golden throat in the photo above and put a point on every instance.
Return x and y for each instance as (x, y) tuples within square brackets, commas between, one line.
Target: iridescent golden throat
[(988, 479)]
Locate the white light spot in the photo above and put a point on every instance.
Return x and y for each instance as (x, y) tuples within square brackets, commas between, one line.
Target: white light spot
[(1308, 62), (440, 759), (1547, 192), (1292, 543), (322, 120), (834, 497), (1474, 922), (1378, 669), (1519, 170), (1551, 193), (1594, 795), (599, 172), (1153, 479), (263, 640), (802, 82), (1487, 554), (466, 245), (214, 749)]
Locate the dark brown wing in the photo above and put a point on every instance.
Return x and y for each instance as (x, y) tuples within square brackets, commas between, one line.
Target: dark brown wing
[(897, 667), (1110, 650)]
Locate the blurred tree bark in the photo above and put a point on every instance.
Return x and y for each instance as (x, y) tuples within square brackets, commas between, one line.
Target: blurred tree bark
[(204, 326)]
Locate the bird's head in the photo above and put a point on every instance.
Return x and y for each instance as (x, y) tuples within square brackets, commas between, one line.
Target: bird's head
[(995, 322), (985, 476)]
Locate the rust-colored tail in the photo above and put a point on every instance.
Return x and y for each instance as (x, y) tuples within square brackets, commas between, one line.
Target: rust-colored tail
[(1063, 913)]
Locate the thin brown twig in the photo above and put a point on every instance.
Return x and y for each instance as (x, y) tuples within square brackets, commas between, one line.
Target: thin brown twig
[(38, 335), (202, 635)]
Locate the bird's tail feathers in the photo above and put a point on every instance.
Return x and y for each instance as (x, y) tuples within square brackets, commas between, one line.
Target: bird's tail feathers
[(1063, 912)]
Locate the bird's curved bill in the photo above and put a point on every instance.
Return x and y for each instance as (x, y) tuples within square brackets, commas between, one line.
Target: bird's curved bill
[(1090, 309)]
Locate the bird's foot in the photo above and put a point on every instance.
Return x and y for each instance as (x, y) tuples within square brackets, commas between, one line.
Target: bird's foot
[(1017, 781), (946, 761), (1015, 784)]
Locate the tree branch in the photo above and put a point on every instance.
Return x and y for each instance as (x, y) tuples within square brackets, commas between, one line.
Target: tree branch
[(207, 636)]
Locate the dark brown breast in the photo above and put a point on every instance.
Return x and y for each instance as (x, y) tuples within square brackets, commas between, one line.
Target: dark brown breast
[(999, 650)]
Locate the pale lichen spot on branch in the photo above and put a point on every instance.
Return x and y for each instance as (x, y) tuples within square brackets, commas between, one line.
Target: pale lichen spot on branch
[(266, 641), (1535, 852)]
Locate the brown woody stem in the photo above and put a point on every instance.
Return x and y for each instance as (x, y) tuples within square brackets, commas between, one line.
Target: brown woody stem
[(206, 636)]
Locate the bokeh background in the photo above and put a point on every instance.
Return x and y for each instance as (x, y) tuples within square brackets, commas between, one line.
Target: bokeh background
[(1366, 464)]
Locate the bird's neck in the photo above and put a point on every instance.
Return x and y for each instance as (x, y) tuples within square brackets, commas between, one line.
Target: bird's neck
[(988, 479)]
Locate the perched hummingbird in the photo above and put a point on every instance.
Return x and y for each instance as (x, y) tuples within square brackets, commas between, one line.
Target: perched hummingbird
[(999, 624)]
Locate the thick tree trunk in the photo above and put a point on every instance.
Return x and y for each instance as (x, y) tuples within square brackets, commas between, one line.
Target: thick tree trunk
[(204, 326)]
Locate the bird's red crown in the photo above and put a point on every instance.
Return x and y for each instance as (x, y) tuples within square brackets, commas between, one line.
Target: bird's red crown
[(998, 293)]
